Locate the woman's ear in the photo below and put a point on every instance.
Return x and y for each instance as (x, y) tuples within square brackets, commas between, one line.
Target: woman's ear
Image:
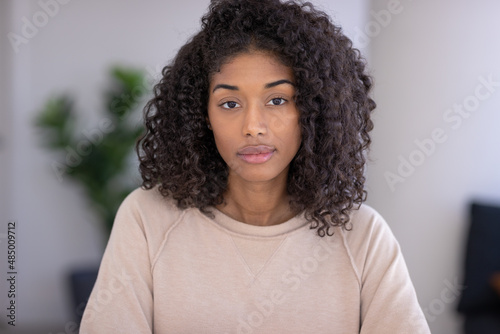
[(209, 126)]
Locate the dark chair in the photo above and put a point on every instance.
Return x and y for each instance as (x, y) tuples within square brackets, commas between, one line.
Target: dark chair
[(480, 300), (81, 283)]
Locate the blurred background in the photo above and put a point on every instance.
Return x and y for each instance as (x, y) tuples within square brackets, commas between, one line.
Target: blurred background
[(435, 144)]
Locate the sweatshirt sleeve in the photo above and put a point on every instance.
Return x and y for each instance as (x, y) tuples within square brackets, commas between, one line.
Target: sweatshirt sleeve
[(122, 298), (389, 303)]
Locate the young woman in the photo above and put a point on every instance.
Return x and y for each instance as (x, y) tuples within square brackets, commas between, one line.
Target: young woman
[(250, 219)]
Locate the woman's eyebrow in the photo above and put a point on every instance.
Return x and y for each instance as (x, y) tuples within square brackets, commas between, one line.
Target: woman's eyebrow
[(279, 82), (225, 87), (269, 85)]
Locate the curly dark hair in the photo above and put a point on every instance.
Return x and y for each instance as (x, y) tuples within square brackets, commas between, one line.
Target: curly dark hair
[(326, 177)]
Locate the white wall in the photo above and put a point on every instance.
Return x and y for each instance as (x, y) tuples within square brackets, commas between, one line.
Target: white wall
[(72, 53), (5, 117), (429, 57)]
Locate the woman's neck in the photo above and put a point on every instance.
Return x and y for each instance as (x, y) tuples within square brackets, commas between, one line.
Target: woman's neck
[(261, 204)]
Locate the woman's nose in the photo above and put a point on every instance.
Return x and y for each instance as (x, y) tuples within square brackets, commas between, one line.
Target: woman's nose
[(255, 122)]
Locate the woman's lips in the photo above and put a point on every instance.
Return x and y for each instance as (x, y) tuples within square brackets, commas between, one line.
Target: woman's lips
[(256, 154)]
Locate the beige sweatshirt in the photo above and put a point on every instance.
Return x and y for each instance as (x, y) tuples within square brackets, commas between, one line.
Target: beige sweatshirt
[(167, 270)]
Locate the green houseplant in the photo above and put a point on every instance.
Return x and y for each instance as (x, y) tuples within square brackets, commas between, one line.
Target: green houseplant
[(99, 158)]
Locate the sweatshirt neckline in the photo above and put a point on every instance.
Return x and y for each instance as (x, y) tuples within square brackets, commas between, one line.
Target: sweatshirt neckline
[(242, 228)]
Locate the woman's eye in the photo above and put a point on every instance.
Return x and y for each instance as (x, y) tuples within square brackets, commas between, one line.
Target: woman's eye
[(230, 105), (276, 101)]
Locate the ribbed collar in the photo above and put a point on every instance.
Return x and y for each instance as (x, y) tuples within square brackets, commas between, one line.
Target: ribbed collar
[(241, 228)]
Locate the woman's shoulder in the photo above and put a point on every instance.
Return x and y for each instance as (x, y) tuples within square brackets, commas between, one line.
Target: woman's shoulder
[(365, 211), (141, 197), (148, 208), (366, 217), (367, 228), (369, 241)]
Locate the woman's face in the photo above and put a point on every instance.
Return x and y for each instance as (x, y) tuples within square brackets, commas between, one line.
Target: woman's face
[(253, 116)]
